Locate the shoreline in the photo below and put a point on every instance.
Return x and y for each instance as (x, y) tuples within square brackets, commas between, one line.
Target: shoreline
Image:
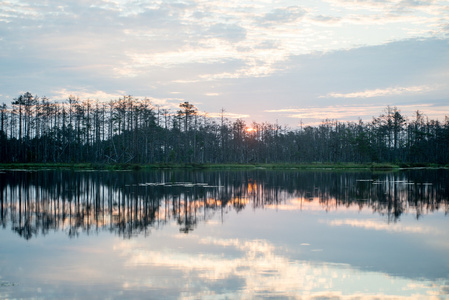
[(222, 166)]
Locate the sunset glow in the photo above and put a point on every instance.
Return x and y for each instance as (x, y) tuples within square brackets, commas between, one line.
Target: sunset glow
[(256, 59)]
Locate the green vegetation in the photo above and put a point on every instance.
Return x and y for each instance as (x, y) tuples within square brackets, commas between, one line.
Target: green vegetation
[(129, 133), (192, 166), (37, 166)]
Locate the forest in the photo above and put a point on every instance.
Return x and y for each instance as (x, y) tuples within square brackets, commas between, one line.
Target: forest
[(129, 130)]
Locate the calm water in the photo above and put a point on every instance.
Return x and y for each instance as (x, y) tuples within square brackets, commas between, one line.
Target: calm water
[(218, 235)]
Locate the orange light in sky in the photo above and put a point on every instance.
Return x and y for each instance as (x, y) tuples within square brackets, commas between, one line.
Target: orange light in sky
[(250, 129)]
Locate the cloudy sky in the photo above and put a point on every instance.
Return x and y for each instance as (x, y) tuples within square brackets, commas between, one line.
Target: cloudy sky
[(291, 61)]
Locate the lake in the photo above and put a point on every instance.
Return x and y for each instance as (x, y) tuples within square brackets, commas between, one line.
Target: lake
[(224, 234)]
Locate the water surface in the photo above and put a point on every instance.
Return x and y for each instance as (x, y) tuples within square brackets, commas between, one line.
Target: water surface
[(217, 235)]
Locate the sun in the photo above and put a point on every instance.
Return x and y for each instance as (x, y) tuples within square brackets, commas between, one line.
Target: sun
[(250, 129)]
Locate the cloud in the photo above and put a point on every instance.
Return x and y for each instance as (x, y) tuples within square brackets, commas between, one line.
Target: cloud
[(283, 15), (382, 92), (228, 115), (425, 14), (102, 96), (314, 115), (383, 5), (63, 94), (408, 6), (253, 52), (363, 3), (229, 32), (325, 20)]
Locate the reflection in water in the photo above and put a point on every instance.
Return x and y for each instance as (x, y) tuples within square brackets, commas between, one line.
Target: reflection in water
[(261, 271), (129, 203), (301, 235)]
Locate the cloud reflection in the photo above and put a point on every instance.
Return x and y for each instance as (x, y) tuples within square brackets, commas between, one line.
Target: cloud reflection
[(373, 224), (261, 269)]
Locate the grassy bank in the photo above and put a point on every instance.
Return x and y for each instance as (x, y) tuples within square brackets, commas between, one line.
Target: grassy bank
[(39, 166), (235, 166)]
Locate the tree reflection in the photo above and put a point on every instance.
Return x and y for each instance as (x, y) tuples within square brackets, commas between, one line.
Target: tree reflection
[(132, 203)]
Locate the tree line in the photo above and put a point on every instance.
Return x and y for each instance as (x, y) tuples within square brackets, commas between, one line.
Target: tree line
[(131, 130)]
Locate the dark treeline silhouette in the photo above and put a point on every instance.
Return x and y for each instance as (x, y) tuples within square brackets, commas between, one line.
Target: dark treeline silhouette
[(129, 130), (131, 203)]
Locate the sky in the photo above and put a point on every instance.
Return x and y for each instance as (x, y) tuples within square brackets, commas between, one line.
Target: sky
[(291, 62)]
